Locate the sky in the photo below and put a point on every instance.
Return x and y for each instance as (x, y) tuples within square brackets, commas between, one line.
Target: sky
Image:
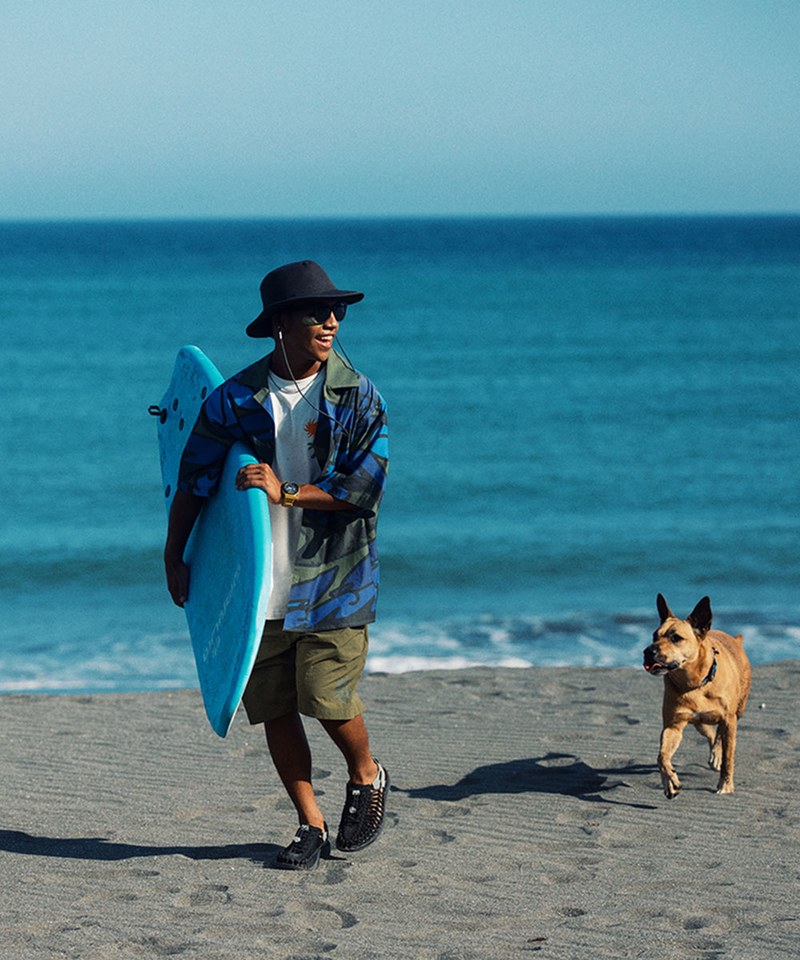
[(259, 108)]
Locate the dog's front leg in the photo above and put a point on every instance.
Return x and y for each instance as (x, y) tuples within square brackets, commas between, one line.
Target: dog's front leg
[(711, 732), (727, 732), (670, 741)]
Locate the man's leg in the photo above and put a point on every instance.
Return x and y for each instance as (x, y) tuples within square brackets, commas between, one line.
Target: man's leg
[(329, 667), (365, 800), (350, 736), (288, 746)]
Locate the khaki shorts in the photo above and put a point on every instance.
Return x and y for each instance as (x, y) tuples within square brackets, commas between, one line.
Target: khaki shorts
[(315, 674)]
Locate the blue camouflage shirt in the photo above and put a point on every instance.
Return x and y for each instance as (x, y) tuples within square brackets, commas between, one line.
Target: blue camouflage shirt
[(335, 577)]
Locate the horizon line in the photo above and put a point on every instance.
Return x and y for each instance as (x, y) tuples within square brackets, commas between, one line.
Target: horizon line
[(408, 217)]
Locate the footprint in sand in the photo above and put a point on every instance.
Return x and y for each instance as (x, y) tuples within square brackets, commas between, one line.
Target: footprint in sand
[(319, 915), (203, 895)]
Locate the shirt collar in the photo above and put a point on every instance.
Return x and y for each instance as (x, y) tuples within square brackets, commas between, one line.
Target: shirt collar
[(338, 376)]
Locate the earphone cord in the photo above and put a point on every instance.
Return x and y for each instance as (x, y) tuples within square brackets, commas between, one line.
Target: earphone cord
[(300, 391)]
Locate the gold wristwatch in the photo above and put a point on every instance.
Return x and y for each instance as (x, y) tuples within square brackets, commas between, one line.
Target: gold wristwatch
[(289, 493)]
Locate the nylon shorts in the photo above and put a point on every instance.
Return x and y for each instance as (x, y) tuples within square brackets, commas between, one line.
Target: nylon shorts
[(315, 674)]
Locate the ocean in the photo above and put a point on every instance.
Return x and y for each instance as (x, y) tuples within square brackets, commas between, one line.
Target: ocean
[(584, 412)]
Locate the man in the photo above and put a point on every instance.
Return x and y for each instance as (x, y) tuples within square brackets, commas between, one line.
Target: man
[(318, 429)]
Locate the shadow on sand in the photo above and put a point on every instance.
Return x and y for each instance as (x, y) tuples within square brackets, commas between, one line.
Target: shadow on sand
[(98, 848), (557, 773)]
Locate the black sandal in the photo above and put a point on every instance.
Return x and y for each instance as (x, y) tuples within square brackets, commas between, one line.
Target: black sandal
[(362, 817), (303, 853)]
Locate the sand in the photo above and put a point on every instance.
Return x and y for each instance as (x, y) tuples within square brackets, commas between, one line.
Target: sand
[(526, 818)]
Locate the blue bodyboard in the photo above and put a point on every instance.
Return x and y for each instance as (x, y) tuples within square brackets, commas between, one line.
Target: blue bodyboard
[(229, 553)]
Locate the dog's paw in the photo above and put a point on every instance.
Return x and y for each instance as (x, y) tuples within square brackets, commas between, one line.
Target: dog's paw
[(725, 786), (672, 786)]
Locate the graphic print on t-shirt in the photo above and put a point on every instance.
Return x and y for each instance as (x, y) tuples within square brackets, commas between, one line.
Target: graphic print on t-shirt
[(311, 431)]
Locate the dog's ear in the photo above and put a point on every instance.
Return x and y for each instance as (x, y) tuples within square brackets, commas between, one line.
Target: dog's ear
[(700, 617), (663, 608)]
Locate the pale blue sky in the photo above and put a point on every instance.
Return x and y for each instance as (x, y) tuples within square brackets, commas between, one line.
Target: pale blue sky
[(194, 108)]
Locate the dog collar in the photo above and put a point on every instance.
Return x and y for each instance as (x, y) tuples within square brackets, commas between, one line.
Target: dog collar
[(711, 673)]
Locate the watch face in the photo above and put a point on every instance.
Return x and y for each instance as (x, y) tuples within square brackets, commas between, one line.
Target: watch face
[(291, 488)]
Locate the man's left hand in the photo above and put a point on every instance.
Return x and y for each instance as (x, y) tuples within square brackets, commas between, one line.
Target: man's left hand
[(262, 477)]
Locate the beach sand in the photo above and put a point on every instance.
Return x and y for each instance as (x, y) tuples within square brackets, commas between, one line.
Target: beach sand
[(526, 818)]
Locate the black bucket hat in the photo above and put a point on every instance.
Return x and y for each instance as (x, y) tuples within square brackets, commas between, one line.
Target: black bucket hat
[(294, 285)]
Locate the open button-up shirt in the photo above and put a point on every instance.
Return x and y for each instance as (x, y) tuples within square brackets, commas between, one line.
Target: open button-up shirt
[(335, 578)]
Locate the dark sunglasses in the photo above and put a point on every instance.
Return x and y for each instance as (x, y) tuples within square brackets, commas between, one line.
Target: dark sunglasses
[(313, 316)]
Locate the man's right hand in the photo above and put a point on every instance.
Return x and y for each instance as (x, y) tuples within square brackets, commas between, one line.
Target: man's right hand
[(185, 510), (177, 580)]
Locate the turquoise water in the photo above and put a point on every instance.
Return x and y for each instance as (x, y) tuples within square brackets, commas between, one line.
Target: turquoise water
[(584, 412)]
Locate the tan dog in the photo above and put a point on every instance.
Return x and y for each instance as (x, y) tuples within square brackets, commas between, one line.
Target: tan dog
[(706, 683)]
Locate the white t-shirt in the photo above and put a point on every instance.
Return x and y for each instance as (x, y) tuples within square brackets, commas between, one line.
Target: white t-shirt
[(296, 421)]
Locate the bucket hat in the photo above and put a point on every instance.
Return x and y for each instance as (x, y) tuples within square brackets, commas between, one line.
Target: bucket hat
[(294, 285)]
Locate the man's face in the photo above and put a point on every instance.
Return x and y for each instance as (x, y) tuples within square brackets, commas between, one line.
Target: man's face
[(309, 332)]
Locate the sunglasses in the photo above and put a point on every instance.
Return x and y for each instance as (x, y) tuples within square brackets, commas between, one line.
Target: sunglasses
[(314, 316)]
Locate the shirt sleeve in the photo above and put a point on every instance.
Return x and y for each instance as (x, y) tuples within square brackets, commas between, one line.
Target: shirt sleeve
[(212, 436), (359, 473)]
